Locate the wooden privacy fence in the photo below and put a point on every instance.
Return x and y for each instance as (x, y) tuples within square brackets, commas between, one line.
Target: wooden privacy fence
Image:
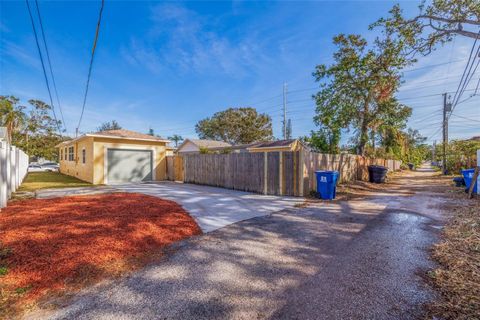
[(175, 168), (275, 173)]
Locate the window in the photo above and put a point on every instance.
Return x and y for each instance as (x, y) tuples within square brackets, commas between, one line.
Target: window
[(83, 156), (65, 153), (71, 156), (61, 155)]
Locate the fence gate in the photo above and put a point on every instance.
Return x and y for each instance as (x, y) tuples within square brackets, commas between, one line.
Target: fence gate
[(175, 168)]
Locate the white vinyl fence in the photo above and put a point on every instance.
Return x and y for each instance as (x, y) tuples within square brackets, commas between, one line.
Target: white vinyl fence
[(13, 169)]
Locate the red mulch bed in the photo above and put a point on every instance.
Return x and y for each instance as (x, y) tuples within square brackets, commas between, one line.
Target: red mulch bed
[(52, 245)]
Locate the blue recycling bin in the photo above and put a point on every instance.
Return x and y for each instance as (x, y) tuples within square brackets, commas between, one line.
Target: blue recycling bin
[(327, 184), (468, 177)]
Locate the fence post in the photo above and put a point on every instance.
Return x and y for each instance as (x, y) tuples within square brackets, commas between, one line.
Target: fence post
[(17, 167), (265, 172), (302, 173), (3, 175), (280, 173), (12, 170)]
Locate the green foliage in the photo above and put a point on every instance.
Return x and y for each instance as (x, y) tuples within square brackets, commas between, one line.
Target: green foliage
[(22, 290), (34, 131), (236, 126), (461, 154), (111, 125), (324, 141), (3, 271), (204, 150), (289, 129), (436, 23), (357, 90), (12, 116), (176, 139), (408, 146)]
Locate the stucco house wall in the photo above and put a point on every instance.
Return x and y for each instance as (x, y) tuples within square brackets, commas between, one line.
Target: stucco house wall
[(94, 168)]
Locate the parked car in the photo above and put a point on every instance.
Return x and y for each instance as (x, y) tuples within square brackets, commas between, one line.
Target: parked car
[(33, 167), (44, 167), (50, 166)]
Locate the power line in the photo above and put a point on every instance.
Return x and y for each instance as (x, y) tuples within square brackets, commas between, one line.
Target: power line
[(434, 65), (50, 64), (456, 115), (462, 85), (90, 67), (43, 66)]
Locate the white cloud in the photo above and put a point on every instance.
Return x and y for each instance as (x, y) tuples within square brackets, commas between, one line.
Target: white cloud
[(180, 39), (19, 54)]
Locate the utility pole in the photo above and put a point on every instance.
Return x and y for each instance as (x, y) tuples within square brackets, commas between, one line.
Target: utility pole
[(284, 111), (434, 150), (446, 108)]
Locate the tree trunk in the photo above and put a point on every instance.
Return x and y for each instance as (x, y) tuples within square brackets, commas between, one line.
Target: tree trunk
[(364, 128), (373, 139)]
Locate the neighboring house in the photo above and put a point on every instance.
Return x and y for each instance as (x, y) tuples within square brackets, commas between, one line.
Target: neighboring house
[(195, 145), (280, 145), (170, 150), (266, 146), (114, 156)]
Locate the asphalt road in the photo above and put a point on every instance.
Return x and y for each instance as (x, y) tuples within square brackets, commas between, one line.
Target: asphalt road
[(361, 259)]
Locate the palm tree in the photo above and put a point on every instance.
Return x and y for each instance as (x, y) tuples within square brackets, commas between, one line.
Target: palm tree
[(11, 116), (176, 139)]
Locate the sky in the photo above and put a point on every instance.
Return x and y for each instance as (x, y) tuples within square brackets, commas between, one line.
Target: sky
[(167, 65)]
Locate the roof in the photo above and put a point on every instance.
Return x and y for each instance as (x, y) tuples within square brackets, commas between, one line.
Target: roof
[(122, 133), (203, 143), (273, 144), (118, 134)]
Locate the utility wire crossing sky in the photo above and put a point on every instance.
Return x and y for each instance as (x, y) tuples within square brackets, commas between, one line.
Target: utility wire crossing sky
[(166, 66)]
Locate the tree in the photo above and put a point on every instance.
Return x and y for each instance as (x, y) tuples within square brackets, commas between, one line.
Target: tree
[(323, 140), (236, 126), (437, 23), (289, 129), (176, 139), (112, 125), (12, 116), (36, 131), (357, 91)]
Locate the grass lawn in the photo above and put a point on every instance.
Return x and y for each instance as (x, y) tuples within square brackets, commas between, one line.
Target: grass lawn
[(43, 180), (50, 247)]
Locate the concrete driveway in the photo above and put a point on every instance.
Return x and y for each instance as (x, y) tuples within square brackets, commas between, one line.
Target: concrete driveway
[(212, 208)]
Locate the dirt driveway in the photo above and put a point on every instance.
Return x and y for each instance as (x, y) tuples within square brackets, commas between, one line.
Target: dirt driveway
[(361, 259)]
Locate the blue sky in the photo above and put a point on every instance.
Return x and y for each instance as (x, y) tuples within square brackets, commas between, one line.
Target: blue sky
[(166, 65)]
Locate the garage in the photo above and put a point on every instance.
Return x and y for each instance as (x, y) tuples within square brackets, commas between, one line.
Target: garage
[(129, 165)]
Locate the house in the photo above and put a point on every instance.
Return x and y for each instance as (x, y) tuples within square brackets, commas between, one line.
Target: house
[(280, 145), (196, 145), (266, 146), (114, 156)]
